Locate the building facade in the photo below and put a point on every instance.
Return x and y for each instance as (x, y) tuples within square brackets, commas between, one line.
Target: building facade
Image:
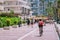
[(20, 7), (34, 6), (38, 7)]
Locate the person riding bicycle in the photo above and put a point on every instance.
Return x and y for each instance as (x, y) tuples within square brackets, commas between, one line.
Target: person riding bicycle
[(40, 24)]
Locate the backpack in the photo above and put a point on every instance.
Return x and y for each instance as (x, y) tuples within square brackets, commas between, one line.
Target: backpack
[(41, 23)]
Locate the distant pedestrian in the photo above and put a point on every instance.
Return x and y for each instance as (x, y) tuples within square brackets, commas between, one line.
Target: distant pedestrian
[(28, 22), (32, 22), (19, 23), (51, 21), (35, 20), (40, 24), (44, 22)]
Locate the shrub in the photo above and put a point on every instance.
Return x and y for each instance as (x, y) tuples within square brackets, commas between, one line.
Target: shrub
[(24, 21), (3, 21), (8, 22), (11, 14), (15, 22), (1, 24)]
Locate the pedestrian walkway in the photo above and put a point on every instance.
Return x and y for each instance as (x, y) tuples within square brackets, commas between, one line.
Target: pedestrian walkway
[(49, 34), (29, 33), (15, 33), (57, 28)]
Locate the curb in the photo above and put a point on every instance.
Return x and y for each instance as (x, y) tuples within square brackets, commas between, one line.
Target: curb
[(57, 29)]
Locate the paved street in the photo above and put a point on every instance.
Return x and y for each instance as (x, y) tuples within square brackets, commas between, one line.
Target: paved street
[(29, 33), (14, 13), (49, 34)]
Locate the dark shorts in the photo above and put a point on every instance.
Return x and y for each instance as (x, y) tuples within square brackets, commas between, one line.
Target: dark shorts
[(28, 23), (40, 26), (31, 23)]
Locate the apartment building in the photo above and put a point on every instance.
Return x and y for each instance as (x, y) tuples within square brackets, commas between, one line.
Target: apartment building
[(18, 6), (38, 8), (1, 7), (34, 6), (43, 6)]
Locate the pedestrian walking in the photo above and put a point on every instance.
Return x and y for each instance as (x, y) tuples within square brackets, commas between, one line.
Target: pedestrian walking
[(44, 22), (32, 22), (19, 23), (40, 24), (35, 21), (28, 22)]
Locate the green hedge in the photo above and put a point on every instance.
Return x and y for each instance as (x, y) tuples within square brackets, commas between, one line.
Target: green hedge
[(9, 19), (12, 21)]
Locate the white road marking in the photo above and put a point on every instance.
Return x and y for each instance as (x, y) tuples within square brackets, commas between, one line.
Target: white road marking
[(27, 34)]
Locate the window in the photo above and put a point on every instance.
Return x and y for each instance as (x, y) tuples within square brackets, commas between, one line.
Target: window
[(20, 3), (34, 5), (33, 0), (41, 8), (8, 9), (31, 5), (24, 0)]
